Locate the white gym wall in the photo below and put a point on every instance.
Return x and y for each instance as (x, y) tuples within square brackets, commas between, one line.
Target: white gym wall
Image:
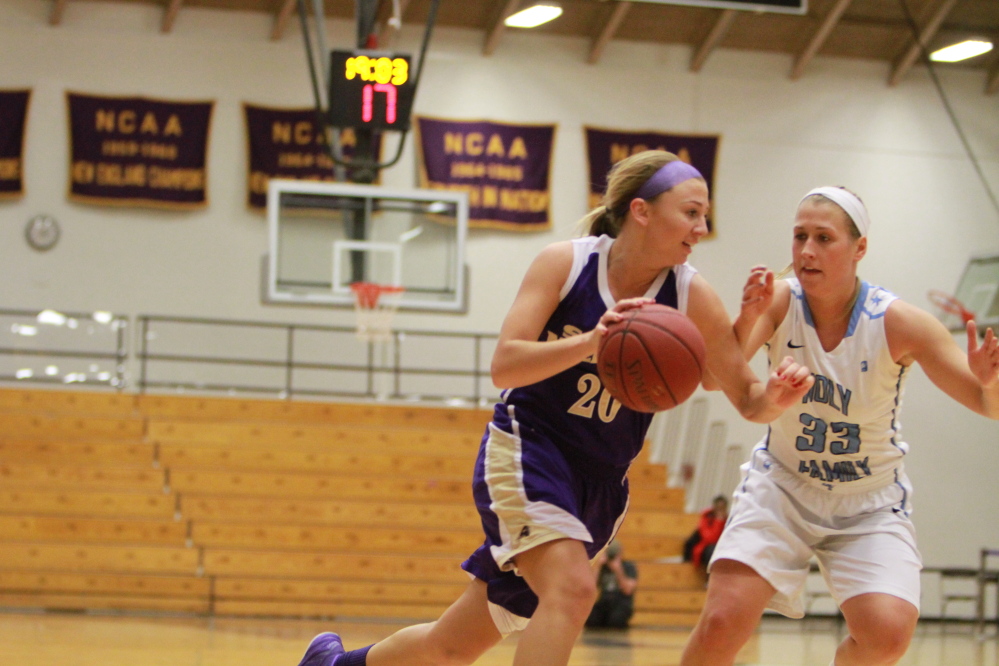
[(839, 124)]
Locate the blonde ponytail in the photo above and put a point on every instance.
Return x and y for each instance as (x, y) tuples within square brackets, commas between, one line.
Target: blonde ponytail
[(623, 181)]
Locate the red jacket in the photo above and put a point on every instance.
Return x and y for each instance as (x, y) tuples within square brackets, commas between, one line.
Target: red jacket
[(710, 529)]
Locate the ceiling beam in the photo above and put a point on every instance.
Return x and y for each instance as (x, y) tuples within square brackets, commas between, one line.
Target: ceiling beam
[(389, 31), (992, 79), (58, 7), (496, 31), (909, 58), (281, 19), (713, 39), (819, 38), (170, 15), (607, 33)]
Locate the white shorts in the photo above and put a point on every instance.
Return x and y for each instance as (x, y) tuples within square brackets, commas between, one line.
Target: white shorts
[(864, 542)]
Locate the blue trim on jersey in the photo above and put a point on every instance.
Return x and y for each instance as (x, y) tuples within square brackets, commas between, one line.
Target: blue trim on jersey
[(876, 300), (766, 439), (905, 496), (858, 308), (800, 295), (752, 466), (894, 411)]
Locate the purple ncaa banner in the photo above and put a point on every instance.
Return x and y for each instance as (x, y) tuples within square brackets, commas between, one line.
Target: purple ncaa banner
[(13, 121), (288, 143), (605, 148), (137, 151), (504, 168)]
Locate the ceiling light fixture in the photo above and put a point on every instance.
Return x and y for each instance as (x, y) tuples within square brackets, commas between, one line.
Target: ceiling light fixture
[(535, 15), (969, 48)]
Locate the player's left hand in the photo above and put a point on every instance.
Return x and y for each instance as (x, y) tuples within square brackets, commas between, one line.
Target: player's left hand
[(789, 382), (983, 359)]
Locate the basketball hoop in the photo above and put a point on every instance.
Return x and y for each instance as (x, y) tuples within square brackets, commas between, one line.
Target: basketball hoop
[(375, 305), (950, 305)]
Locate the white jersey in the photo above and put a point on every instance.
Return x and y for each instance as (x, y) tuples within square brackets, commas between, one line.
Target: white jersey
[(844, 436)]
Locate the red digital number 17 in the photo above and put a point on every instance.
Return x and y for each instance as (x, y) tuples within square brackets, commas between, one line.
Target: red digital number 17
[(368, 101)]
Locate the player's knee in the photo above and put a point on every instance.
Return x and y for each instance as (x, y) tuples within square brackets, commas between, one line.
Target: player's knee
[(886, 641), (573, 594), (723, 629), (581, 593)]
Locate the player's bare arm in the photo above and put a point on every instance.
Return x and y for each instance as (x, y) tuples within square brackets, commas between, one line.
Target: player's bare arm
[(764, 305), (971, 378), (754, 400), (520, 359)]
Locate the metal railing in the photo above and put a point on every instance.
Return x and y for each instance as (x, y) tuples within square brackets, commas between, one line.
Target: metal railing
[(190, 354), (49, 347), (301, 360)]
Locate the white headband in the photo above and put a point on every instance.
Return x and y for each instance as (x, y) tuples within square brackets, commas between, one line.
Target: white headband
[(850, 204)]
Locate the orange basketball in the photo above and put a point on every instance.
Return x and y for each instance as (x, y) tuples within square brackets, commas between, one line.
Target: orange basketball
[(653, 359)]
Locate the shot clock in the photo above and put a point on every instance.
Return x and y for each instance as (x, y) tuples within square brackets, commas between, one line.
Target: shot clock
[(370, 89)]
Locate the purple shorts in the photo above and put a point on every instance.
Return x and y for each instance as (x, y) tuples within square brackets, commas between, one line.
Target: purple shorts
[(527, 494)]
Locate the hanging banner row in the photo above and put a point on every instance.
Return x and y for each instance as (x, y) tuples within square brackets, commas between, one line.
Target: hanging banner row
[(139, 151)]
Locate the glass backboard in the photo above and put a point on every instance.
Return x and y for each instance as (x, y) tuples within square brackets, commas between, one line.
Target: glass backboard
[(978, 291), (326, 236)]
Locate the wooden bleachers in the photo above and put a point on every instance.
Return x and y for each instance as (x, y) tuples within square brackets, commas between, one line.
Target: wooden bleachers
[(60, 474), (269, 508), (68, 502), (86, 520), (62, 529), (117, 591), (41, 451)]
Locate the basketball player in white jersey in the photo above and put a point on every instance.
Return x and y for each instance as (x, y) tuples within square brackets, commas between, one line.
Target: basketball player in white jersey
[(827, 479)]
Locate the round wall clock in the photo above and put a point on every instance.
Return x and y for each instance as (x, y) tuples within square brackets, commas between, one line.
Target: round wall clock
[(42, 232)]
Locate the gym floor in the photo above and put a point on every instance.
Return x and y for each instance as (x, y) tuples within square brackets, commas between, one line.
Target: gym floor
[(108, 640)]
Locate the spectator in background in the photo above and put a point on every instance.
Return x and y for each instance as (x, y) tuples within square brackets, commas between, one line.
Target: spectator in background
[(617, 580), (701, 544)]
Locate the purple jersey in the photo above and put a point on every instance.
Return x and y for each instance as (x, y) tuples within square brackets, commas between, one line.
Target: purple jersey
[(594, 431)]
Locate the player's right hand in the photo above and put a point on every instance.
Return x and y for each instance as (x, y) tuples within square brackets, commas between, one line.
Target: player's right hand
[(757, 294), (615, 314)]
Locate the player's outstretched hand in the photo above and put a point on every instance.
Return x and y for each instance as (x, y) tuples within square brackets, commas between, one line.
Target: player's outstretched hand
[(789, 383), (983, 360), (757, 294)]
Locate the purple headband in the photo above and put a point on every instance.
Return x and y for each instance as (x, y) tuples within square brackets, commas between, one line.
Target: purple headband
[(669, 176)]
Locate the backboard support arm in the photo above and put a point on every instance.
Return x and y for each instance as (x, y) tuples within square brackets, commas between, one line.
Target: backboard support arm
[(364, 165)]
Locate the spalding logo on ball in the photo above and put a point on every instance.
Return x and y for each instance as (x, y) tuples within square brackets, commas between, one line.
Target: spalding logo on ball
[(651, 360)]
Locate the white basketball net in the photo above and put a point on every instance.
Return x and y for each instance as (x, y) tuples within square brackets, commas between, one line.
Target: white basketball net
[(375, 306)]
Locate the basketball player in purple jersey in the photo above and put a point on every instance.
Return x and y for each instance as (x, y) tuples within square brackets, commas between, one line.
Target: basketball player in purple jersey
[(550, 481), (827, 480)]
